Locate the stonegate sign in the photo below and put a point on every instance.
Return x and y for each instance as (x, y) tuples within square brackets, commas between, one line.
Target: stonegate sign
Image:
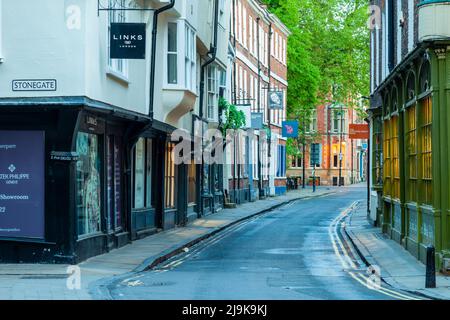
[(34, 85)]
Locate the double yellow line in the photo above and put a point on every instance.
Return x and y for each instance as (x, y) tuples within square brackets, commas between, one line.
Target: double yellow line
[(342, 253)]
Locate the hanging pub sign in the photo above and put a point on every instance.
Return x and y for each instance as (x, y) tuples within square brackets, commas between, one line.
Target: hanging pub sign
[(127, 41), (290, 129), (359, 131), (276, 100), (257, 120)]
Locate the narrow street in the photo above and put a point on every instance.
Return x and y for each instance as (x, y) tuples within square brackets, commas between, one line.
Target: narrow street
[(287, 253)]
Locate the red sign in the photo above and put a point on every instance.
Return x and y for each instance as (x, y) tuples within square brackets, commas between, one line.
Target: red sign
[(359, 131)]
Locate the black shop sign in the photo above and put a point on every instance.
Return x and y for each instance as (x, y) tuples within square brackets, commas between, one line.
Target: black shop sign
[(127, 41)]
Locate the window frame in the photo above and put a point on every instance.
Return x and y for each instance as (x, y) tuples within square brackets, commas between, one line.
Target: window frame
[(115, 16)]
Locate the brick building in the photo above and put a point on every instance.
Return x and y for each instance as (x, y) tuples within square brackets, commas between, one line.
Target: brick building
[(259, 45), (329, 130)]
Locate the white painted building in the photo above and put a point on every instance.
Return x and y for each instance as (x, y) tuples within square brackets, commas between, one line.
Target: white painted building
[(101, 129)]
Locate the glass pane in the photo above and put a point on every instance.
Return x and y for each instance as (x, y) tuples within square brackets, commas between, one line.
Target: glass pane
[(192, 184), (88, 184), (149, 174), (172, 72), (172, 37), (118, 182), (139, 178)]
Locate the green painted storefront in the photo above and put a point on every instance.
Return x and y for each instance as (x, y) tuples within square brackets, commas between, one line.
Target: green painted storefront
[(411, 155)]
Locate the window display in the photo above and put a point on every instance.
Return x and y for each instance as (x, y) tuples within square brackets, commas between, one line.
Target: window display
[(88, 184)]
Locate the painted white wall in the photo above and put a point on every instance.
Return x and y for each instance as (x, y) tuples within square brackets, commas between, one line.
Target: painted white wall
[(66, 40)]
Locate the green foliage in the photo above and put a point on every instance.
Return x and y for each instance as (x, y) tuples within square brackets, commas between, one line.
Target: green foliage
[(235, 119), (328, 56)]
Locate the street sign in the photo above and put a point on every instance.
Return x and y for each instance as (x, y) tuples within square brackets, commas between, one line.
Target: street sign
[(290, 129), (246, 108), (276, 99), (127, 41), (358, 131)]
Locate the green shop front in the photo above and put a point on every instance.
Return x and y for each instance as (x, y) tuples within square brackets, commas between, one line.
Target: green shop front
[(410, 153)]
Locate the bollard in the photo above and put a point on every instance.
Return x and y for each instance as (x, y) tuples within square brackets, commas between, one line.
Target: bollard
[(430, 278)]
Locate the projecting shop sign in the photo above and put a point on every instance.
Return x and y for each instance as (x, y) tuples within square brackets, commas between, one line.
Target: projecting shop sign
[(276, 100), (22, 184), (127, 41)]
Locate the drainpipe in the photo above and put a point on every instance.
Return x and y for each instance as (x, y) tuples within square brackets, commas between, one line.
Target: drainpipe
[(130, 137), (213, 52), (153, 57), (260, 174)]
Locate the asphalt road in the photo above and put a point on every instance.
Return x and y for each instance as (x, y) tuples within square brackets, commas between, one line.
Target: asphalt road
[(286, 254)]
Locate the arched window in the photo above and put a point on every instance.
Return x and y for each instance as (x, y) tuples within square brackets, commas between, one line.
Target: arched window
[(425, 77), (394, 99), (386, 105), (411, 87)]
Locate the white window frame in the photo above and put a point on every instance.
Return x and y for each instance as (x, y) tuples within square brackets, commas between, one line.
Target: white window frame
[(239, 30), (244, 27), (116, 67), (250, 34), (190, 58), (176, 53), (212, 98)]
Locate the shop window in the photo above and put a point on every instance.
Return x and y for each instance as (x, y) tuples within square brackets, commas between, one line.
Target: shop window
[(426, 151), (114, 181), (387, 158), (169, 178), (143, 174), (89, 195), (378, 151), (395, 158), (411, 153), (192, 184), (139, 175)]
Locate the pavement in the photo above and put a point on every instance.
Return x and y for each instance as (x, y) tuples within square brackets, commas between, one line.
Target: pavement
[(398, 267), (60, 282)]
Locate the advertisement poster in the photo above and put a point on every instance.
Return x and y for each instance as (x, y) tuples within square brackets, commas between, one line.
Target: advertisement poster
[(22, 184)]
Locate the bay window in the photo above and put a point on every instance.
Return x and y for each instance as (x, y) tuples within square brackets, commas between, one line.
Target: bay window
[(181, 57)]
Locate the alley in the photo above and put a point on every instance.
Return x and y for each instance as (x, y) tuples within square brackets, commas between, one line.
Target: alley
[(285, 254)]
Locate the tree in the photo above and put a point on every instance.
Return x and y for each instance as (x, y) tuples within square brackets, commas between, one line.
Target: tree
[(328, 55)]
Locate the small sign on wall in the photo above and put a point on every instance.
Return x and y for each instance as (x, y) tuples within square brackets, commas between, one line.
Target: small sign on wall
[(34, 85), (127, 40)]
